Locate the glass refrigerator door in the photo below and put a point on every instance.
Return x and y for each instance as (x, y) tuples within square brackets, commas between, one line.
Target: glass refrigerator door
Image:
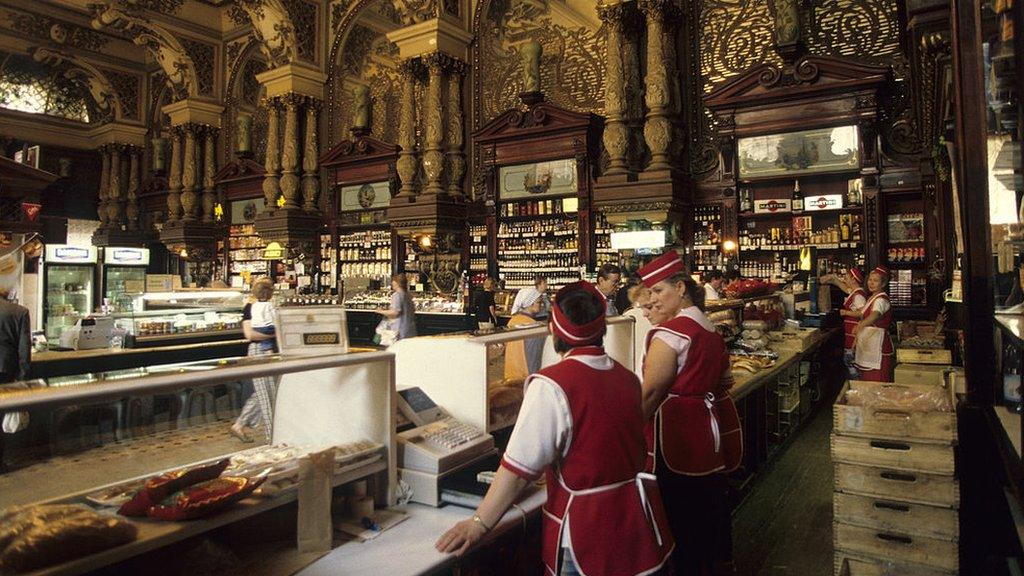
[(68, 297), (115, 279)]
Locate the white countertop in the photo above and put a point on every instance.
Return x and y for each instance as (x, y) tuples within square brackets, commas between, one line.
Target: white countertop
[(408, 548)]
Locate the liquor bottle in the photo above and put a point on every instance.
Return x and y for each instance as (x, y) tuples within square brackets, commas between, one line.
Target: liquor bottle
[(798, 198), (844, 228)]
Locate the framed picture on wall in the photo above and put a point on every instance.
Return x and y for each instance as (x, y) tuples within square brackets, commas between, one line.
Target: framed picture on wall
[(817, 151)]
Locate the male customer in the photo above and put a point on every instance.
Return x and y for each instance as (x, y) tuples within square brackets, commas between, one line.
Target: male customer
[(15, 356), (526, 297), (609, 276), (713, 281)]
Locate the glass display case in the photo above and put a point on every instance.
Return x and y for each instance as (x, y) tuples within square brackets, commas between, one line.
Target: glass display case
[(123, 276), (164, 318), (425, 302), (66, 285), (93, 440)]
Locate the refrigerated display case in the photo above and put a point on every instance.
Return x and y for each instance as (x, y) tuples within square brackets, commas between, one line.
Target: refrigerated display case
[(66, 276), (182, 317), (123, 276)]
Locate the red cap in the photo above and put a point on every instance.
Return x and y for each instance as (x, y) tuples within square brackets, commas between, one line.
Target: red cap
[(881, 270), (573, 334), (857, 274), (661, 268)]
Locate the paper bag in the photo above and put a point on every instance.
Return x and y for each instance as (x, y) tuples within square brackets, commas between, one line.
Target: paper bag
[(314, 524)]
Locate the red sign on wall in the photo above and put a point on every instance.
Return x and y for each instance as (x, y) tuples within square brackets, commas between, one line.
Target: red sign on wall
[(31, 210)]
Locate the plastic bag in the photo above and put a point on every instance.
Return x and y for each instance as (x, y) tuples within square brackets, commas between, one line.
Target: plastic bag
[(900, 399), (385, 336)]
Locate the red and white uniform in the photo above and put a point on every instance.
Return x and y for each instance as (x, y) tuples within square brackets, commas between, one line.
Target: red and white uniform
[(879, 302), (581, 422), (696, 430), (854, 302)]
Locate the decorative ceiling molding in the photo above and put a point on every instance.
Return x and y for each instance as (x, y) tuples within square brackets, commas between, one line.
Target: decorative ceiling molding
[(274, 30), (160, 42), (90, 78), (57, 31)]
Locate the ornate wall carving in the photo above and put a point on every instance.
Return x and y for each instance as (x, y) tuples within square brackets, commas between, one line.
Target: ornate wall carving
[(572, 69), (367, 58), (204, 57), (50, 29), (128, 86), (304, 18)]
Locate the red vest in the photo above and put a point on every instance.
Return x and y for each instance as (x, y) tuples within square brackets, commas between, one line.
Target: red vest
[(849, 322), (696, 430), (883, 322), (617, 524)]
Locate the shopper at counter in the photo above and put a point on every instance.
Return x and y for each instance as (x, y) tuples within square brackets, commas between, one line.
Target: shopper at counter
[(640, 297), (526, 297), (401, 314), (580, 424), (693, 429), (258, 321), (874, 349), (15, 358), (609, 276), (713, 281), (484, 307)]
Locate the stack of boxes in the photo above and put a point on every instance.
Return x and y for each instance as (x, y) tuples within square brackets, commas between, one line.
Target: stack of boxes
[(896, 494)]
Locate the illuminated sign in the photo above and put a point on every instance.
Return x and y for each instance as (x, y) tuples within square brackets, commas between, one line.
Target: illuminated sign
[(133, 256), (70, 254), (825, 202), (771, 206)]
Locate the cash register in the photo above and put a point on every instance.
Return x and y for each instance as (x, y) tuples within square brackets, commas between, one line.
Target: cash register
[(88, 333), (440, 449)]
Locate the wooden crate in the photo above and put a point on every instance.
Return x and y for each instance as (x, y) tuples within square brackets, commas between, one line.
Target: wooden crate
[(886, 483), (847, 564), (924, 356), (918, 426), (798, 340), (893, 515), (903, 455), (897, 547), (934, 374)]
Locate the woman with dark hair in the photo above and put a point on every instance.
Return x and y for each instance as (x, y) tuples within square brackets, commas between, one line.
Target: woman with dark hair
[(693, 431), (581, 424)]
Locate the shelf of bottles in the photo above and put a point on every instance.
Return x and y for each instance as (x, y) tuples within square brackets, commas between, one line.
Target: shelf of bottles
[(245, 254), (769, 242), (707, 238), (906, 256), (603, 242), (328, 257), (538, 237), (477, 254), (219, 263), (365, 254)]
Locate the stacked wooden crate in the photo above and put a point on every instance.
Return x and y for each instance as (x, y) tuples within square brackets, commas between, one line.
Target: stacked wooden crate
[(896, 494)]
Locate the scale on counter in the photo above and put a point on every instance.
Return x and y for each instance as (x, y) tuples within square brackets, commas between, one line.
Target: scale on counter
[(312, 330)]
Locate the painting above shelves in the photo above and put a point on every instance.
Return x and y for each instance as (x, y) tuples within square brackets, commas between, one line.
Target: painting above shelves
[(796, 153)]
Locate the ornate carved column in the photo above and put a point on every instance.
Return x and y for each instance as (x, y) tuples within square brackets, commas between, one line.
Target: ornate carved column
[(633, 89), (433, 155), (310, 155), (271, 184), (616, 133), (290, 152), (101, 209), (174, 178), (456, 137), (188, 175), (132, 201), (209, 165), (407, 164), (116, 190), (658, 129)]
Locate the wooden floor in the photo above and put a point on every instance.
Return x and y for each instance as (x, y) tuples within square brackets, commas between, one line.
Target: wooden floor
[(784, 527)]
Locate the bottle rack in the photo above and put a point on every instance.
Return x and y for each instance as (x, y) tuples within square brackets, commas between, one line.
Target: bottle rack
[(328, 257), (603, 242), (477, 254), (707, 229), (245, 253), (365, 254), (536, 237)]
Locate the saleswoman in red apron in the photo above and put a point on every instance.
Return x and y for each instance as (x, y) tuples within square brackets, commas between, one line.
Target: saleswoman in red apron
[(877, 312), (693, 432), (581, 424), (853, 305)]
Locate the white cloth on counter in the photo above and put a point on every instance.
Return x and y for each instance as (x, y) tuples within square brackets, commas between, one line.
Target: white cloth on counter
[(710, 293), (869, 348)]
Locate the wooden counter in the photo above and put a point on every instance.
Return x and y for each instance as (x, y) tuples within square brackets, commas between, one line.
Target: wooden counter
[(52, 363), (747, 383)]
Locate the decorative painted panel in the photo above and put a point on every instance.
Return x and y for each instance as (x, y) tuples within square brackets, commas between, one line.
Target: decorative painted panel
[(64, 33)]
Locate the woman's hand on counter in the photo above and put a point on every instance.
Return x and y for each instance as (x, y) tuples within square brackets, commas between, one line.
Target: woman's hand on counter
[(460, 537)]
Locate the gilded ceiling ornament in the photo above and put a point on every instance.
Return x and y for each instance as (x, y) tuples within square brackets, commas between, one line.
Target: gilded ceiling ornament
[(169, 7), (64, 33), (161, 44), (415, 11), (273, 27), (203, 56), (302, 15), (863, 29), (85, 75)]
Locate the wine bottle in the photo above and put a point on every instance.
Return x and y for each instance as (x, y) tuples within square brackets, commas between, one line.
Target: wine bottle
[(798, 197)]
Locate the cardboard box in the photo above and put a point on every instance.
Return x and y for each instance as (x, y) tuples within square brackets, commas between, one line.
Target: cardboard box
[(796, 341), (160, 282), (924, 356)]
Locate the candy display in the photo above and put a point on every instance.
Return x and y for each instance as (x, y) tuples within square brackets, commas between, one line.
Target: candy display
[(33, 537)]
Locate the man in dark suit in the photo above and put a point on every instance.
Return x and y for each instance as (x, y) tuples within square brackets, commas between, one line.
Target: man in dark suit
[(15, 347)]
